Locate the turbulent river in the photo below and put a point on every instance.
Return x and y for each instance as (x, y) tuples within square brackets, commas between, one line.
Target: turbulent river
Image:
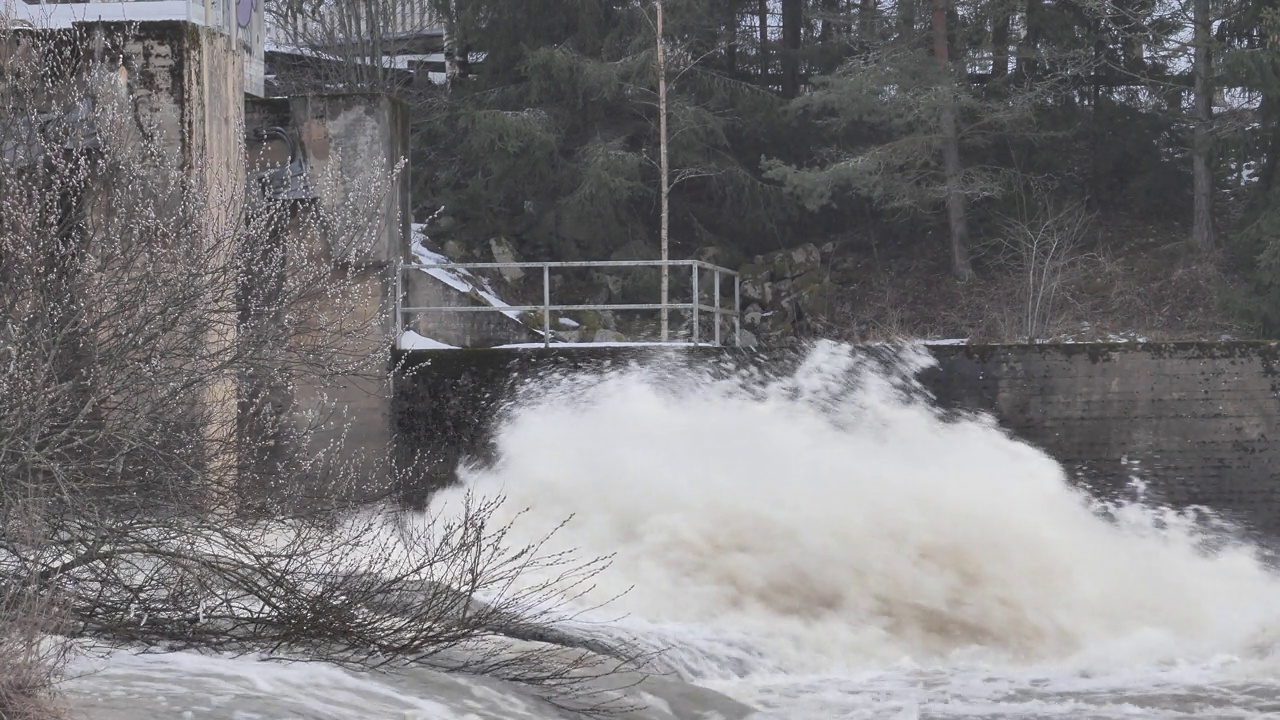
[(819, 545)]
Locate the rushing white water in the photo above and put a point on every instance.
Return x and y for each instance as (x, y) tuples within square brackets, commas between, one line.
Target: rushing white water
[(822, 546)]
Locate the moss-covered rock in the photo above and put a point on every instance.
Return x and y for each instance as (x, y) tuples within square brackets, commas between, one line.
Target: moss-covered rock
[(794, 262), (504, 251)]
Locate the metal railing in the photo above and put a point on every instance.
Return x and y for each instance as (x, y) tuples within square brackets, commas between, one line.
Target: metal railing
[(695, 306)]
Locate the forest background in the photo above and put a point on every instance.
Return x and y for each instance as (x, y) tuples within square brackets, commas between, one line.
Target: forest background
[(995, 170)]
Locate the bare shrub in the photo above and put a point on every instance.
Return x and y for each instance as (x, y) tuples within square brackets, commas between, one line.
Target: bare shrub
[(32, 651), (154, 330), (1041, 245)]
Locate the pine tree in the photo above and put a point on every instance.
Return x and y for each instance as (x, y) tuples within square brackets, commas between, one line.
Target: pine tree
[(554, 141), (1250, 62)]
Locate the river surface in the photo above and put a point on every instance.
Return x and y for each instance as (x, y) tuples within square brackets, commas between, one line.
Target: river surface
[(818, 545)]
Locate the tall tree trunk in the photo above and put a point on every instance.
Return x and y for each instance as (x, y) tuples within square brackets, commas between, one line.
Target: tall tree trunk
[(867, 22), (827, 27), (731, 39), (1000, 28), (1202, 225), (792, 36), (1030, 37), (956, 220), (452, 48), (763, 21), (663, 170), (907, 18)]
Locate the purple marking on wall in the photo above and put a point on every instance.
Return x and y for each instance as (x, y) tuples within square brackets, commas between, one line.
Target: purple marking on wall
[(244, 12)]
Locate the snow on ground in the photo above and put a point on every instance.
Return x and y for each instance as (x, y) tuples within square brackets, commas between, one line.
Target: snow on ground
[(460, 279), (410, 340)]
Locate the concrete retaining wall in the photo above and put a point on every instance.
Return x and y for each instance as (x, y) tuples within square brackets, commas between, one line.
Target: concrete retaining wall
[(1196, 421), (1199, 422)]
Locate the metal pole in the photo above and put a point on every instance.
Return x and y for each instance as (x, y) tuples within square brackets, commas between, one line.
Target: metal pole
[(737, 312), (696, 304), (716, 283), (546, 305), (664, 171)]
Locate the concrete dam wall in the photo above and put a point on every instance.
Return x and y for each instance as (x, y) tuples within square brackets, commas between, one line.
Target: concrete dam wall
[(1195, 422)]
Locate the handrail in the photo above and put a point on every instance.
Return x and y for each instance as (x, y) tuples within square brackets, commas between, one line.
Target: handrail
[(547, 307)]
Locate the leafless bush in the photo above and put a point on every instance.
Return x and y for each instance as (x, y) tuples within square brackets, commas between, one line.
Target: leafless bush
[(155, 476), (1041, 245), (32, 652), (30, 658)]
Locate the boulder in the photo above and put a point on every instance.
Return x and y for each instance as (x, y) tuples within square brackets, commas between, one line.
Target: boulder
[(505, 252), (815, 300), (710, 254), (795, 262), (753, 289), (456, 250), (603, 336), (752, 279)]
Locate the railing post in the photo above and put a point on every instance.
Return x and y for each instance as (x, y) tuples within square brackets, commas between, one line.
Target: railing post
[(664, 300), (696, 303), (546, 305), (716, 316), (737, 311)]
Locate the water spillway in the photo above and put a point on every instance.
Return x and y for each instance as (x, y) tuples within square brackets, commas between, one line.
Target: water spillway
[(816, 540)]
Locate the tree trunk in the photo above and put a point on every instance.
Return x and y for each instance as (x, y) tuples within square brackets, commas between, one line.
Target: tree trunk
[(907, 18), (866, 22), (1000, 44), (1202, 225), (731, 39), (664, 170), (1030, 38), (792, 36), (828, 28), (764, 42), (956, 220)]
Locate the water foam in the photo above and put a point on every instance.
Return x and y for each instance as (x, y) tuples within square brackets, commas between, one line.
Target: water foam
[(829, 521), (818, 545)]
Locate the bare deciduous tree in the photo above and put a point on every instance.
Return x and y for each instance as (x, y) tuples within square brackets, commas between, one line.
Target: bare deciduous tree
[(1041, 245), (156, 478)]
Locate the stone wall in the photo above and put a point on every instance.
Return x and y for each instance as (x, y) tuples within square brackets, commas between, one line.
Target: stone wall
[(1198, 422)]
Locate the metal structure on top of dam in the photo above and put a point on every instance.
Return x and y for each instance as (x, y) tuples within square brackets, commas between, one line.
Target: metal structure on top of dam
[(726, 326)]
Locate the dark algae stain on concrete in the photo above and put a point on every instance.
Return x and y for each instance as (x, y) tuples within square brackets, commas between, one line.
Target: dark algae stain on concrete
[(1191, 420)]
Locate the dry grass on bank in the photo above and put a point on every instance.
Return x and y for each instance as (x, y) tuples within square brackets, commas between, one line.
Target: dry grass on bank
[(1128, 282)]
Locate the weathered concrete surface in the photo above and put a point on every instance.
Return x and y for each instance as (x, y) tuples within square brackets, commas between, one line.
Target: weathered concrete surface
[(1195, 421), (354, 147), (1198, 422)]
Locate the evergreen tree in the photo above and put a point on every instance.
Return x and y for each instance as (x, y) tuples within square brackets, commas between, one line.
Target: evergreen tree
[(554, 141), (1250, 63)]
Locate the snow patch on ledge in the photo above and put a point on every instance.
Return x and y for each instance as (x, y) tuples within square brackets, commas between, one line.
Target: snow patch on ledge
[(459, 279), (410, 340), (622, 343)]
